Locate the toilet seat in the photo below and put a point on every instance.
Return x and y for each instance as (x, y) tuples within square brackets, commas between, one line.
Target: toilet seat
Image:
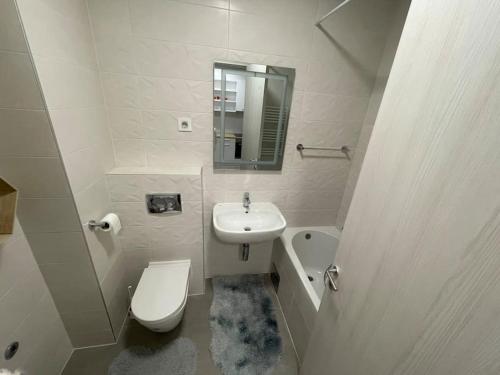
[(159, 300)]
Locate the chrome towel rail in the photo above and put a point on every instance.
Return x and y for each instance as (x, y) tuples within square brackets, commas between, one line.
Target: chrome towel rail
[(344, 149)]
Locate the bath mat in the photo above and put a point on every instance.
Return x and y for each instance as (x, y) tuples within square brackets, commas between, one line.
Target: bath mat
[(176, 358), (245, 336)]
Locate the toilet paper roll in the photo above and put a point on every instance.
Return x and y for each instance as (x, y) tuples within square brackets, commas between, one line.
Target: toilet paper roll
[(112, 222)]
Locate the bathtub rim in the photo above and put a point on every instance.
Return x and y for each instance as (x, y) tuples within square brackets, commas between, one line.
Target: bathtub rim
[(286, 239)]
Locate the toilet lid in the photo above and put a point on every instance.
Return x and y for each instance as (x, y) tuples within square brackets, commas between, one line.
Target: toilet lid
[(161, 291)]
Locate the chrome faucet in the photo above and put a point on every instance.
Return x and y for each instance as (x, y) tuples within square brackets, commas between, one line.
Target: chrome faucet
[(246, 201)]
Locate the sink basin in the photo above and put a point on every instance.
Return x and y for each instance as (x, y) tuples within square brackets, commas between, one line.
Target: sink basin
[(263, 222)]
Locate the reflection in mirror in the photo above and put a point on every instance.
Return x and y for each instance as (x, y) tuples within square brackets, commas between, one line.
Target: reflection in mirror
[(251, 110)]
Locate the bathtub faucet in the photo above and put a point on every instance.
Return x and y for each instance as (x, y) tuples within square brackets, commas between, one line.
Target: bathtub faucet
[(246, 201)]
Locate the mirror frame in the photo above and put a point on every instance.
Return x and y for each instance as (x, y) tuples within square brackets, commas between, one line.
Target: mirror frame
[(287, 75)]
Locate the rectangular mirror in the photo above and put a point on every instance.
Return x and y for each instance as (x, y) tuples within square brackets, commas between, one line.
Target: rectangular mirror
[(251, 110)]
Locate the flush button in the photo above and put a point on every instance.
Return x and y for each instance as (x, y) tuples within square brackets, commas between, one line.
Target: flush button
[(164, 203)]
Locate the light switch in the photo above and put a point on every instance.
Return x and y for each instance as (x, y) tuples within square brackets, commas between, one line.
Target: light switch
[(184, 124)]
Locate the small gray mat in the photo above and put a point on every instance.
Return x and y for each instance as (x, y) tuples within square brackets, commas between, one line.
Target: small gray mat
[(176, 358), (245, 336)]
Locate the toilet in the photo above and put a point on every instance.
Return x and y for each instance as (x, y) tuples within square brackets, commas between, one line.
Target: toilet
[(160, 298)]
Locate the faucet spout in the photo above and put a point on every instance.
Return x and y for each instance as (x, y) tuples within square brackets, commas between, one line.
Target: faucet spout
[(246, 201)]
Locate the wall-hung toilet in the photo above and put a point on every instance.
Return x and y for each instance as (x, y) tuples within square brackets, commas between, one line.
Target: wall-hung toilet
[(160, 298)]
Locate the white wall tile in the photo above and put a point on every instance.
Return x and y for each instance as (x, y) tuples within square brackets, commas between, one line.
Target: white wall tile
[(309, 217), (74, 9), (48, 215), (313, 200), (341, 76), (18, 301), (116, 53), (267, 33), (126, 123), (176, 60), (93, 202), (104, 249), (164, 235), (81, 339), (55, 34), (84, 167), (125, 188), (311, 179), (110, 16), (130, 152), (256, 181), (68, 86), (27, 307), (76, 129), (72, 287), (175, 94), (120, 90), (163, 125), (171, 154), (135, 237), (51, 339), (36, 177), (131, 213), (18, 86), (305, 9), (83, 321), (18, 128), (67, 247), (179, 22), (11, 32), (17, 261), (327, 108)]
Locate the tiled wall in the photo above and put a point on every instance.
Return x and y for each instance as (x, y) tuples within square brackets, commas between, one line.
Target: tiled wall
[(27, 311), (156, 58), (29, 160), (297, 306), (62, 47), (391, 46), (146, 237)]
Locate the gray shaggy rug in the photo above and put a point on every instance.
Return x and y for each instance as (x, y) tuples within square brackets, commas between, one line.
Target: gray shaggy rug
[(245, 336), (176, 358)]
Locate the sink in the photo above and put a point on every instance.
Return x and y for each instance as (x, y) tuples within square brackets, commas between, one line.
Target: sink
[(263, 222)]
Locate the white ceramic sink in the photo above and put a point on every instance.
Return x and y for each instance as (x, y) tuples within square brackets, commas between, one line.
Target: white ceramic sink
[(263, 222)]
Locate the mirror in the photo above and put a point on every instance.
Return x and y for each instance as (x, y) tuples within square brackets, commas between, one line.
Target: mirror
[(251, 110)]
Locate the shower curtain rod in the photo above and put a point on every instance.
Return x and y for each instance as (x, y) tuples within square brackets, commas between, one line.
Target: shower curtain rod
[(318, 24)]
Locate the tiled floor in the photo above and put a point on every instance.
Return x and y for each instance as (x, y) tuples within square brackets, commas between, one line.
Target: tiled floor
[(195, 325)]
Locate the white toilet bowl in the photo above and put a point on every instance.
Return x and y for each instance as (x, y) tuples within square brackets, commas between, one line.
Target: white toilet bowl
[(160, 298)]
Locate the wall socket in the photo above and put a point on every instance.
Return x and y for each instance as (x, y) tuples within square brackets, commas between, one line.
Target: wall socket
[(184, 124)]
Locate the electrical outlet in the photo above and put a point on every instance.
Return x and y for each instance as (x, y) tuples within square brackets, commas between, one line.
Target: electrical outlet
[(184, 124)]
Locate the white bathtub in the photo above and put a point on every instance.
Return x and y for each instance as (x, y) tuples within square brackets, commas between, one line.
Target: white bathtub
[(299, 255), (311, 251)]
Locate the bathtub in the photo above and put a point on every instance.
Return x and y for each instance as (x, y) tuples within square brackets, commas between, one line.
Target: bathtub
[(300, 258), (311, 251)]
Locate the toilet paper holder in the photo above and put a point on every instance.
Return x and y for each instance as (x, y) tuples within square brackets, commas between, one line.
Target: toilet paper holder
[(93, 225)]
